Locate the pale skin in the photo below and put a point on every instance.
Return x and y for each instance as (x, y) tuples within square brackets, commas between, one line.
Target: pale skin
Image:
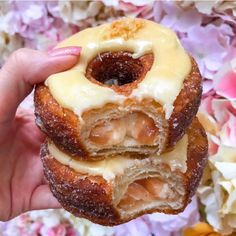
[(22, 183)]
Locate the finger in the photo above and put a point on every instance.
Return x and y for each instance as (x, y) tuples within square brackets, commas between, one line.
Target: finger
[(26, 117), (42, 198), (27, 67)]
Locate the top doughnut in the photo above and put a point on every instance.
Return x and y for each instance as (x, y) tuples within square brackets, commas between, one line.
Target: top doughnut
[(134, 90)]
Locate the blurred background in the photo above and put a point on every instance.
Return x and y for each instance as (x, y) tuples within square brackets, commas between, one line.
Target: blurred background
[(207, 30)]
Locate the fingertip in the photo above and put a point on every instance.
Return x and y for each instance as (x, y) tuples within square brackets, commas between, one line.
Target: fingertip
[(50, 65)]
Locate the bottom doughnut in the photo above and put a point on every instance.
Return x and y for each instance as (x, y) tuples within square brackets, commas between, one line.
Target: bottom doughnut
[(114, 191)]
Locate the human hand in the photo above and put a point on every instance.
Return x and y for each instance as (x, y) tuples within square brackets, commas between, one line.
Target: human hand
[(22, 185)]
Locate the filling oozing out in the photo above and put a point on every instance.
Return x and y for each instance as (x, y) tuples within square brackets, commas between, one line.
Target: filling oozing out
[(135, 125), (144, 191)]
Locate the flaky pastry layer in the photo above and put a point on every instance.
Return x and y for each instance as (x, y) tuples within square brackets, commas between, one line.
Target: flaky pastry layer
[(143, 188)]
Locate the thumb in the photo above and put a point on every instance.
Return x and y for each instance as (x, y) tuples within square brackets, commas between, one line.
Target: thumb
[(27, 67), (42, 198)]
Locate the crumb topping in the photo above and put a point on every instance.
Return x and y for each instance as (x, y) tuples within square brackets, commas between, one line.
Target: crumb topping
[(125, 28)]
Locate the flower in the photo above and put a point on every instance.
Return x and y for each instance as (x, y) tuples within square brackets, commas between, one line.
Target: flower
[(225, 81), (219, 197), (128, 5), (27, 18), (75, 11), (87, 228), (177, 18), (44, 223), (218, 116), (218, 189), (135, 227), (209, 45), (8, 44), (83, 14), (209, 7), (200, 229), (229, 6)]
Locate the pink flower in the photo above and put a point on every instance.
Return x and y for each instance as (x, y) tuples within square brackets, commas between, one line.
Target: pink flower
[(32, 21), (221, 108), (223, 129), (132, 9), (228, 132), (225, 82), (209, 45), (28, 17), (59, 230), (225, 115)]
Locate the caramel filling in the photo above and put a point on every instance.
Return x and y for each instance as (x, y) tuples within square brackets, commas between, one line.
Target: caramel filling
[(144, 191), (136, 125)]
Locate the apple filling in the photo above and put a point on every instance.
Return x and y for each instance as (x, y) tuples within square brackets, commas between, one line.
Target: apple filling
[(144, 191), (135, 125)]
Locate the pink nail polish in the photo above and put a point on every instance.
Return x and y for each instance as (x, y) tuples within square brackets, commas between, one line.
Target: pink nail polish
[(72, 50)]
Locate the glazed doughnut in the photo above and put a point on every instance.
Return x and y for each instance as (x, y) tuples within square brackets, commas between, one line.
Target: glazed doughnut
[(115, 190), (133, 92)]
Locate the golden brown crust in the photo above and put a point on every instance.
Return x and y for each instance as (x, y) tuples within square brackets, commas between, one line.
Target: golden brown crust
[(91, 196), (63, 126), (186, 105), (59, 124), (197, 155)]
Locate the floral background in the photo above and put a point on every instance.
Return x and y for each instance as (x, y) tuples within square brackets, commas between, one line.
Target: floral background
[(207, 29)]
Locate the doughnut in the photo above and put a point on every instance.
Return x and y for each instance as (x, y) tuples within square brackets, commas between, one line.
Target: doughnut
[(120, 188), (134, 92)]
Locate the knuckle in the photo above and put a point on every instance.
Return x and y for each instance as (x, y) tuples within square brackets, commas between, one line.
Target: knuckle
[(20, 57), (17, 63)]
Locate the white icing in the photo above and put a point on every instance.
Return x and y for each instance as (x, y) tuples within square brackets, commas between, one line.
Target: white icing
[(111, 167), (162, 83), (81, 92)]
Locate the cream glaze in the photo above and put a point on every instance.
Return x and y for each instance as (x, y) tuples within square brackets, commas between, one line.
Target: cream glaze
[(111, 167), (163, 82)]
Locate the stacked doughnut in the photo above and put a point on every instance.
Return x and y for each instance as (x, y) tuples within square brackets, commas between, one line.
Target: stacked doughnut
[(122, 134)]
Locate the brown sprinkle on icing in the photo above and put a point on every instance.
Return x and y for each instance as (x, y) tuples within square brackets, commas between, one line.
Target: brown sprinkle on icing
[(125, 28)]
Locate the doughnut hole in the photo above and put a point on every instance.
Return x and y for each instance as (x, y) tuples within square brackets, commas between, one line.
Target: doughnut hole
[(117, 69)]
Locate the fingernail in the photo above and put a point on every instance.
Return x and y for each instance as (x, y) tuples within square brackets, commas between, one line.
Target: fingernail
[(72, 50)]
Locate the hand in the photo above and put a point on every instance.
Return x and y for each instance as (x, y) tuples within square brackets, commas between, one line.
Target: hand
[(22, 185)]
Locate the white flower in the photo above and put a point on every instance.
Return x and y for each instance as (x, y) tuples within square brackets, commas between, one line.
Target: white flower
[(75, 11), (219, 197), (226, 5), (87, 228), (8, 43)]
